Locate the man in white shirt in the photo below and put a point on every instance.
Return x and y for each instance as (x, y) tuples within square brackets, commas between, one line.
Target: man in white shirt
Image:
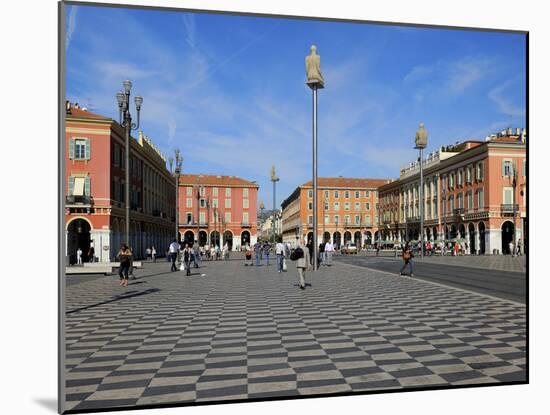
[(329, 250), (79, 256), (174, 250), (280, 251)]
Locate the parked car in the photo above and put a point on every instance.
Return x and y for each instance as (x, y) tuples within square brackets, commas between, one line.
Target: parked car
[(349, 249)]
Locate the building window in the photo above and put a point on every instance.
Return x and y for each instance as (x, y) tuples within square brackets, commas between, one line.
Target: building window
[(459, 178), (357, 219), (507, 197), (245, 218), (346, 206), (346, 194), (479, 171), (367, 193), (189, 202), (189, 218), (214, 191), (469, 175), (367, 220), (245, 203), (245, 193), (310, 219), (357, 206), (357, 196), (310, 193), (214, 203), (227, 217), (227, 192), (228, 203), (469, 200), (451, 203), (367, 206), (310, 205), (336, 219), (189, 191), (346, 220), (507, 168), (336, 205), (203, 203), (326, 206), (480, 199), (326, 194), (326, 219), (336, 194), (202, 218), (81, 149)]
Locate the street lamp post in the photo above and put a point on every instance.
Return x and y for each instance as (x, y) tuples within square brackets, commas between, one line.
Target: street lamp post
[(262, 207), (336, 220), (125, 120), (314, 81), (208, 221), (216, 242), (199, 188), (421, 142), (177, 171), (274, 179), (514, 209)]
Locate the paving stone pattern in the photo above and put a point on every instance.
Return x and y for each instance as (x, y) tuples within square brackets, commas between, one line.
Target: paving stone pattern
[(249, 332)]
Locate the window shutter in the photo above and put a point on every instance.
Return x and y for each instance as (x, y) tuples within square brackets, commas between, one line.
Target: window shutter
[(71, 149), (71, 185), (87, 186), (87, 155)]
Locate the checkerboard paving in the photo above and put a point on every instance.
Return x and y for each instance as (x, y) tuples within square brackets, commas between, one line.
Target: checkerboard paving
[(249, 332)]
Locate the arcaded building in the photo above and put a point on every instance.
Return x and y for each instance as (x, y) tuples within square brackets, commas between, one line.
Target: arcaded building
[(347, 212), (95, 183), (474, 191)]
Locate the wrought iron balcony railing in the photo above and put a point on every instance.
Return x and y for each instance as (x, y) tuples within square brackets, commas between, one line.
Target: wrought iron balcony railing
[(79, 200), (508, 208)]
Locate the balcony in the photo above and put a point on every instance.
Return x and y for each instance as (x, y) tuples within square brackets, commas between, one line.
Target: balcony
[(74, 200), (458, 212), (194, 225), (508, 209), (246, 225)]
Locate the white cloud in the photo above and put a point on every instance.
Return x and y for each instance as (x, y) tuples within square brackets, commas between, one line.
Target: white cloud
[(503, 102), (71, 26), (190, 30), (454, 76)]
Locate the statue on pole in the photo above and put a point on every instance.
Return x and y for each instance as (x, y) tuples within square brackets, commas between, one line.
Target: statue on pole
[(313, 69), (421, 138)]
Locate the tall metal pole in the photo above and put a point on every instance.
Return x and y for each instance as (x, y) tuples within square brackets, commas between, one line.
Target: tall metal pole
[(128, 124), (315, 219), (421, 201), (514, 184), (177, 207), (273, 215)]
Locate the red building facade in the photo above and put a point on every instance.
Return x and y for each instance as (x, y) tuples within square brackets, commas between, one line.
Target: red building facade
[(217, 210), (95, 183)]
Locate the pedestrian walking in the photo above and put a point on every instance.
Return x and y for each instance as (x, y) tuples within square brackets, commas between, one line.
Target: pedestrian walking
[(174, 250), (280, 252), (265, 249), (154, 253), (258, 252), (407, 259), (321, 253), (309, 247), (79, 256), (519, 247), (248, 255), (124, 255), (457, 248), (196, 254), (511, 248), (329, 250), (187, 258), (91, 254), (148, 254), (301, 256), (213, 253)]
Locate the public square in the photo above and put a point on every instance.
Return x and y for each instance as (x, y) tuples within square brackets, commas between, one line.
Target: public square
[(230, 332)]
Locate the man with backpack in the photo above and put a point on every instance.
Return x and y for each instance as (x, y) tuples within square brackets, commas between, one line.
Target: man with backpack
[(301, 256)]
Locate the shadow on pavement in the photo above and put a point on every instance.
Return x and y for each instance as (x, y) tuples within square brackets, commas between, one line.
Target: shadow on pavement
[(48, 403), (128, 294)]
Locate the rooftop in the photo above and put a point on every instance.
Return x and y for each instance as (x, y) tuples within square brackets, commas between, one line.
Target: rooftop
[(347, 182), (215, 180)]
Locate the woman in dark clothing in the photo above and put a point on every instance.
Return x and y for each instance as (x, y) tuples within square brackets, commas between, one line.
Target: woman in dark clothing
[(124, 256), (407, 258)]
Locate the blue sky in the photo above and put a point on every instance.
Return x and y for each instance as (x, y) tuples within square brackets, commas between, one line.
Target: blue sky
[(230, 91)]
